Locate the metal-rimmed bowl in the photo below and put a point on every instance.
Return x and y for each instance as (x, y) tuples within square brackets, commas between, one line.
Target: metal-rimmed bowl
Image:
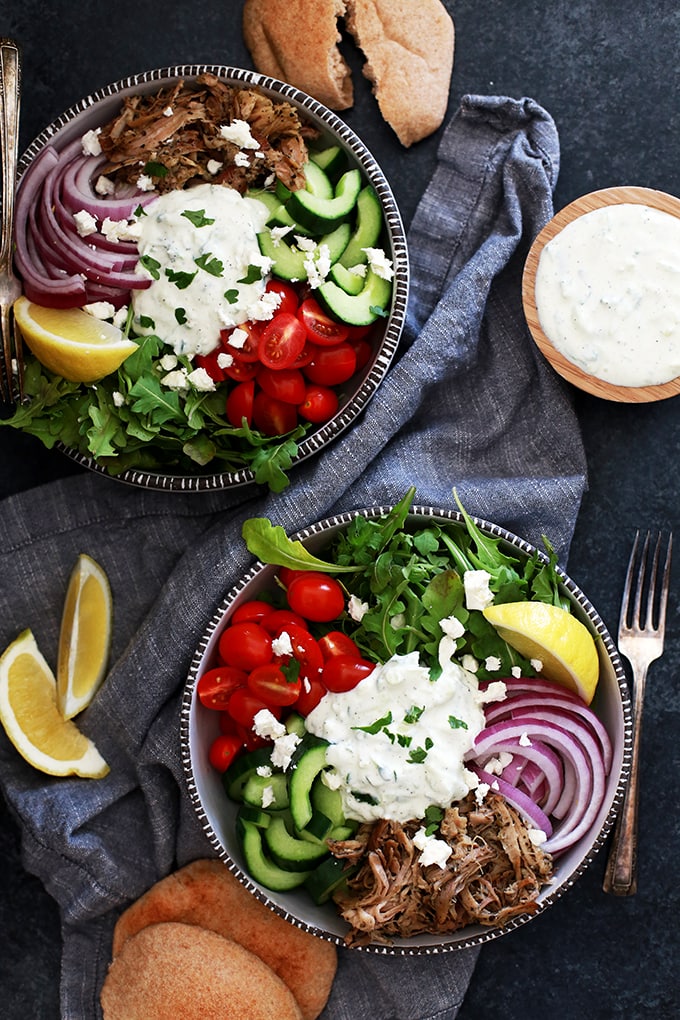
[(217, 815), (99, 107)]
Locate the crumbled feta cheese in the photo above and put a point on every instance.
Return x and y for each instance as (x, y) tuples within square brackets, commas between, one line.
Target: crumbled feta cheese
[(238, 338), (492, 663), (433, 850), (524, 740), (283, 750), (120, 316), (496, 691), (516, 671), (469, 663), (481, 791), (494, 766), (168, 362), (277, 233), (270, 180), (176, 380), (264, 771), (265, 724), (118, 398), (267, 796), (90, 143), (537, 836), (100, 309), (144, 183), (241, 159), (201, 381), (318, 265), (167, 112), (477, 592), (452, 627), (224, 360), (104, 186), (331, 779), (214, 166), (356, 608), (85, 223), (359, 270), (537, 665), (379, 263), (120, 230), (239, 133), (282, 644)]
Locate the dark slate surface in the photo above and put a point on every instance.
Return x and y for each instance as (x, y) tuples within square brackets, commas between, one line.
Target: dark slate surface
[(608, 73)]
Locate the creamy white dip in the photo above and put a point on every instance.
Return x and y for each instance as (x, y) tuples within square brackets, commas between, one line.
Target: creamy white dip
[(197, 264), (608, 294), (398, 739)]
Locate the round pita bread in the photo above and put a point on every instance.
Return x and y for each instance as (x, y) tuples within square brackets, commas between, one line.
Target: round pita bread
[(179, 970), (207, 894)]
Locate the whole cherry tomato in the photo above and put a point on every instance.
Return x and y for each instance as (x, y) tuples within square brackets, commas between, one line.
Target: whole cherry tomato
[(240, 403), (215, 686), (331, 366), (252, 611), (319, 405), (282, 619), (273, 417), (245, 645), (287, 384), (289, 299), (316, 596), (344, 672), (337, 643), (243, 706), (223, 750)]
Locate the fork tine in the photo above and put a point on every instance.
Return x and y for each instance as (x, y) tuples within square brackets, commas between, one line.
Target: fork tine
[(665, 584), (628, 585)]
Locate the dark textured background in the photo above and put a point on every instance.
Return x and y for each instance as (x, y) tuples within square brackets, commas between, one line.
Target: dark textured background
[(608, 73)]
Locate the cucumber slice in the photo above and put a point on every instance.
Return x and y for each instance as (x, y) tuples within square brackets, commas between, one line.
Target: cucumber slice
[(317, 181), (289, 261), (351, 283), (328, 876), (328, 802), (288, 851), (295, 724), (324, 214), (255, 815), (303, 771), (357, 309), (317, 829), (254, 789), (332, 160), (278, 215), (240, 771), (260, 866), (369, 224)]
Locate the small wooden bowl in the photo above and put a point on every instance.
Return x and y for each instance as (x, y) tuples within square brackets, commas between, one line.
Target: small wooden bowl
[(567, 369)]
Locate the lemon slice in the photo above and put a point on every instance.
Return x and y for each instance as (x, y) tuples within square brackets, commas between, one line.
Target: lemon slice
[(32, 721), (70, 342), (563, 644), (84, 638)]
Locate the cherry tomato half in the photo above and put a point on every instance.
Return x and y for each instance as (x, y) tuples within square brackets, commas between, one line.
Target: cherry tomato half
[(245, 645), (282, 340), (240, 403), (344, 672), (289, 299), (273, 417), (217, 685), (305, 650), (362, 351), (244, 705), (311, 694), (209, 363), (321, 329), (331, 366), (243, 348), (287, 384), (241, 371), (271, 685), (223, 750), (337, 643), (319, 405), (316, 596), (282, 619)]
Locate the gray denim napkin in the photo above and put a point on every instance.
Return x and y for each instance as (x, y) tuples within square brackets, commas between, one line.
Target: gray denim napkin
[(469, 403)]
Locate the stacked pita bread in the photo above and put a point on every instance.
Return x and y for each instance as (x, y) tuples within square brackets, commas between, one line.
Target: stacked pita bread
[(198, 945), (408, 45)]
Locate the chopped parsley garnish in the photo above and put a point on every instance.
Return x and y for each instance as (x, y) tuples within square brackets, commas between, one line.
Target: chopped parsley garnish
[(457, 724), (433, 816), (180, 280), (376, 726), (414, 713), (364, 798), (210, 264), (152, 266), (403, 740), (181, 315), (198, 217), (139, 211), (252, 276), (231, 295), (146, 322), (156, 170), (419, 754)]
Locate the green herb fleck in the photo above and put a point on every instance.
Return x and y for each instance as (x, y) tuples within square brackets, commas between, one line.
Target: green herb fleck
[(139, 211), (146, 322), (152, 266), (156, 169), (210, 264), (181, 315), (376, 726), (457, 724), (433, 817), (379, 311), (231, 295), (414, 713), (198, 217), (403, 740), (419, 754), (364, 798), (252, 276), (180, 280)]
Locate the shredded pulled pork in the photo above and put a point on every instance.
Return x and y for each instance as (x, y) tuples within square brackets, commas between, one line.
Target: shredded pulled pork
[(493, 874), (174, 137)]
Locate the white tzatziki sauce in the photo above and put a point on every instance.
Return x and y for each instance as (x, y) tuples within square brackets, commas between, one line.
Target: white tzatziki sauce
[(398, 739), (198, 246), (608, 294)]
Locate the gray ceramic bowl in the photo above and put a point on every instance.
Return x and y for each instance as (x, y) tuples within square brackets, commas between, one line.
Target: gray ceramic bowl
[(96, 109), (217, 814)]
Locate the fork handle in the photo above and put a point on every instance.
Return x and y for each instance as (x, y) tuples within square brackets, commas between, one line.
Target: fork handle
[(620, 876), (10, 95)]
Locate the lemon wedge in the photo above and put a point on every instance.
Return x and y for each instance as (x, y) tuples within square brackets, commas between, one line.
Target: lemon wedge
[(70, 342), (84, 638), (563, 644), (32, 720)]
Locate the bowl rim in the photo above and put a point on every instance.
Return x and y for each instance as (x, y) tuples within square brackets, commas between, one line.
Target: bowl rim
[(346, 415), (622, 195), (479, 935)]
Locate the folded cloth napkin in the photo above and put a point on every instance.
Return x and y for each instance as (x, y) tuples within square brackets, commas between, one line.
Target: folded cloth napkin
[(469, 403)]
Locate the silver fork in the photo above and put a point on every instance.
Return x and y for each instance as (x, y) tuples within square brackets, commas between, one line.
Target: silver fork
[(10, 288), (641, 643)]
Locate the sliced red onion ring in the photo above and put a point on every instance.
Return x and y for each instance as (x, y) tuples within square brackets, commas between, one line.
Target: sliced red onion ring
[(525, 805), (538, 751), (78, 173)]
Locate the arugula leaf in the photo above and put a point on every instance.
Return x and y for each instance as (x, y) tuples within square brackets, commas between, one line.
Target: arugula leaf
[(269, 543)]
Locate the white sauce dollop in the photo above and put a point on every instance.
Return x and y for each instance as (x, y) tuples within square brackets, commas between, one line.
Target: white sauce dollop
[(189, 315), (608, 294), (413, 760)]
